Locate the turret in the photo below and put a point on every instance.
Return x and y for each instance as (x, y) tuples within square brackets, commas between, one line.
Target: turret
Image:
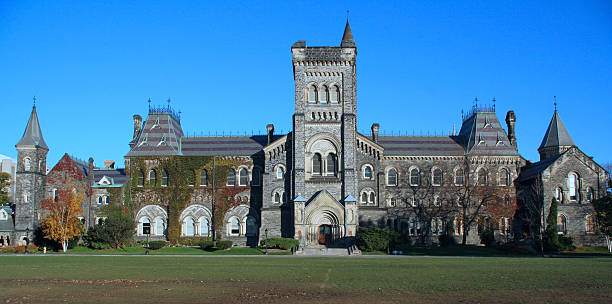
[(556, 140), (375, 128)]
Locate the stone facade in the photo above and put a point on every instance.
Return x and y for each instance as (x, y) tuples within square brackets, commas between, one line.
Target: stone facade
[(323, 180)]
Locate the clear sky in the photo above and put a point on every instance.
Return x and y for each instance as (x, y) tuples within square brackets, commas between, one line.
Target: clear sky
[(227, 66)]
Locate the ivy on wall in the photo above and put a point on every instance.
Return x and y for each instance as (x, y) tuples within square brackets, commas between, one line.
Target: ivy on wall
[(183, 173)]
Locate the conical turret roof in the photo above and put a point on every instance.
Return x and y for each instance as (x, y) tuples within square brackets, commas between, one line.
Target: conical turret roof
[(556, 134), (32, 137), (347, 38)]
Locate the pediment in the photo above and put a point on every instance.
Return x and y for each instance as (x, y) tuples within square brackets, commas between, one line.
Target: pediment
[(323, 204)]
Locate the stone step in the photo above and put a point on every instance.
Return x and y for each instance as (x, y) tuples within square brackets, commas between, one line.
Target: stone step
[(324, 251)]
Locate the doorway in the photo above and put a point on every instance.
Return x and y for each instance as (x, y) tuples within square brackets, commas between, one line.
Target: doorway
[(325, 234)]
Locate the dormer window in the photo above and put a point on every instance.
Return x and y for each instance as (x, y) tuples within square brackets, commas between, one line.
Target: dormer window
[(144, 140), (156, 124), (3, 215), (487, 123), (162, 141)]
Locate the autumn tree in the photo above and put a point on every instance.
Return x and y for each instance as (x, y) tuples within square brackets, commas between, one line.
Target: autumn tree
[(5, 182), (603, 213), (61, 223), (478, 198)]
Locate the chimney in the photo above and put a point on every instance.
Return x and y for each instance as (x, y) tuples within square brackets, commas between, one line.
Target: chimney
[(109, 164), (270, 128), (375, 128), (510, 120), (137, 124)]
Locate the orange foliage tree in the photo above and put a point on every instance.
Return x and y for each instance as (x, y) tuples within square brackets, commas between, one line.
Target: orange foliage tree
[(61, 223)]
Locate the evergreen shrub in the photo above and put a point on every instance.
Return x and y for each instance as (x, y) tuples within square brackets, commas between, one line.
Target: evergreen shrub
[(280, 243), (154, 245), (206, 244), (222, 245)]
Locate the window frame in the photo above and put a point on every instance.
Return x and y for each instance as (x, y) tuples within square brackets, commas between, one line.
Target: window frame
[(433, 177), (395, 176), (231, 177)]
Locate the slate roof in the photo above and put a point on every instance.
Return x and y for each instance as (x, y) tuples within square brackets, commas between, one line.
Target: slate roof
[(32, 137), (225, 145), (160, 135), (482, 134), (421, 145), (7, 225), (347, 38), (556, 134), (118, 175), (531, 171)]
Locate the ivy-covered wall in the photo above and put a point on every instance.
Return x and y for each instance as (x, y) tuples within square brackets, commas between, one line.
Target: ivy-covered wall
[(184, 187)]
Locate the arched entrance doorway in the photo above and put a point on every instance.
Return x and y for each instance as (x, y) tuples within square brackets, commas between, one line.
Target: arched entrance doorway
[(325, 234), (324, 221)]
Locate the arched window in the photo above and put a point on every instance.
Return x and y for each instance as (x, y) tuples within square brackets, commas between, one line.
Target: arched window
[(392, 177), (203, 177), (590, 194), (191, 178), (312, 94), (334, 94), (99, 200), (277, 198), (251, 226), (106, 199), (152, 177), (141, 178), (559, 195), (562, 224), (590, 224), (364, 197), (234, 226), (437, 177), (458, 226), (367, 172), (231, 177), (146, 226), (55, 195), (324, 94), (331, 164), (316, 164), (164, 181), (459, 177), (189, 227), (414, 177), (482, 177), (27, 164), (255, 177), (204, 227), (573, 187), (280, 172), (243, 177), (160, 226), (504, 177), (372, 198)]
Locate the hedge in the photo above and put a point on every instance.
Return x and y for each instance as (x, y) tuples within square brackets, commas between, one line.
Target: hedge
[(154, 245), (222, 245), (280, 243), (20, 249), (207, 244), (377, 239)]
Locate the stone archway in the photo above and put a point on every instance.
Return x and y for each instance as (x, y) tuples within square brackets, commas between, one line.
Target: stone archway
[(324, 220)]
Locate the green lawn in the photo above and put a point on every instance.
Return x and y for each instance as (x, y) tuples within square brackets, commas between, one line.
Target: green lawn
[(154, 279)]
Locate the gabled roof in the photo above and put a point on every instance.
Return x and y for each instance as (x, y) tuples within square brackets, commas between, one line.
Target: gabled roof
[(347, 38), (32, 137), (117, 175), (556, 134), (531, 171), (160, 135), (225, 145)]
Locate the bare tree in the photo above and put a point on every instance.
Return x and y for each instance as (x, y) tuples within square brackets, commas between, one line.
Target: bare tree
[(530, 211)]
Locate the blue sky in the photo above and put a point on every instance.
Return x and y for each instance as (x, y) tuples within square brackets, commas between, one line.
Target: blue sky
[(227, 66)]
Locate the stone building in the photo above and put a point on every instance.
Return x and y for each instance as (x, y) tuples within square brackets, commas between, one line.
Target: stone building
[(323, 180)]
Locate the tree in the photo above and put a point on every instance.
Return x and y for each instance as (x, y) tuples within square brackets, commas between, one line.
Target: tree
[(531, 209), (551, 234), (5, 182), (61, 223), (608, 167), (479, 199), (603, 214), (116, 230)]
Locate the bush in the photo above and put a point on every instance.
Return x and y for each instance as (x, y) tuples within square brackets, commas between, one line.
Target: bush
[(116, 231), (98, 245), (447, 240), (192, 241), (222, 245), (154, 245), (487, 238), (20, 249), (280, 243), (566, 243), (377, 239), (206, 244)]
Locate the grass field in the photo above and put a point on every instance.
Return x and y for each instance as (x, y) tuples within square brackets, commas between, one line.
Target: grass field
[(151, 279)]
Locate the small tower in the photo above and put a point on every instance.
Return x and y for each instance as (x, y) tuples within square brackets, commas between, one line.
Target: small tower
[(30, 177), (510, 121), (556, 140)]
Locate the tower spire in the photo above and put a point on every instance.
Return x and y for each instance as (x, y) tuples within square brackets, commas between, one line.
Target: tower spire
[(347, 38), (32, 137)]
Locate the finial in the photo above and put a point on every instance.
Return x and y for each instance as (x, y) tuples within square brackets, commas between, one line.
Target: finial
[(149, 101), (347, 15), (555, 103), (494, 103), (168, 103), (34, 101)]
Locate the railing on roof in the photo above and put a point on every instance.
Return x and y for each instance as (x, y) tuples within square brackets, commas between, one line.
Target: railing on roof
[(408, 133), (230, 133), (165, 110), (478, 109)]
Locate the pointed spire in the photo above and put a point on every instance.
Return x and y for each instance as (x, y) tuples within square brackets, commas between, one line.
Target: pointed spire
[(556, 134), (32, 137), (347, 38)]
